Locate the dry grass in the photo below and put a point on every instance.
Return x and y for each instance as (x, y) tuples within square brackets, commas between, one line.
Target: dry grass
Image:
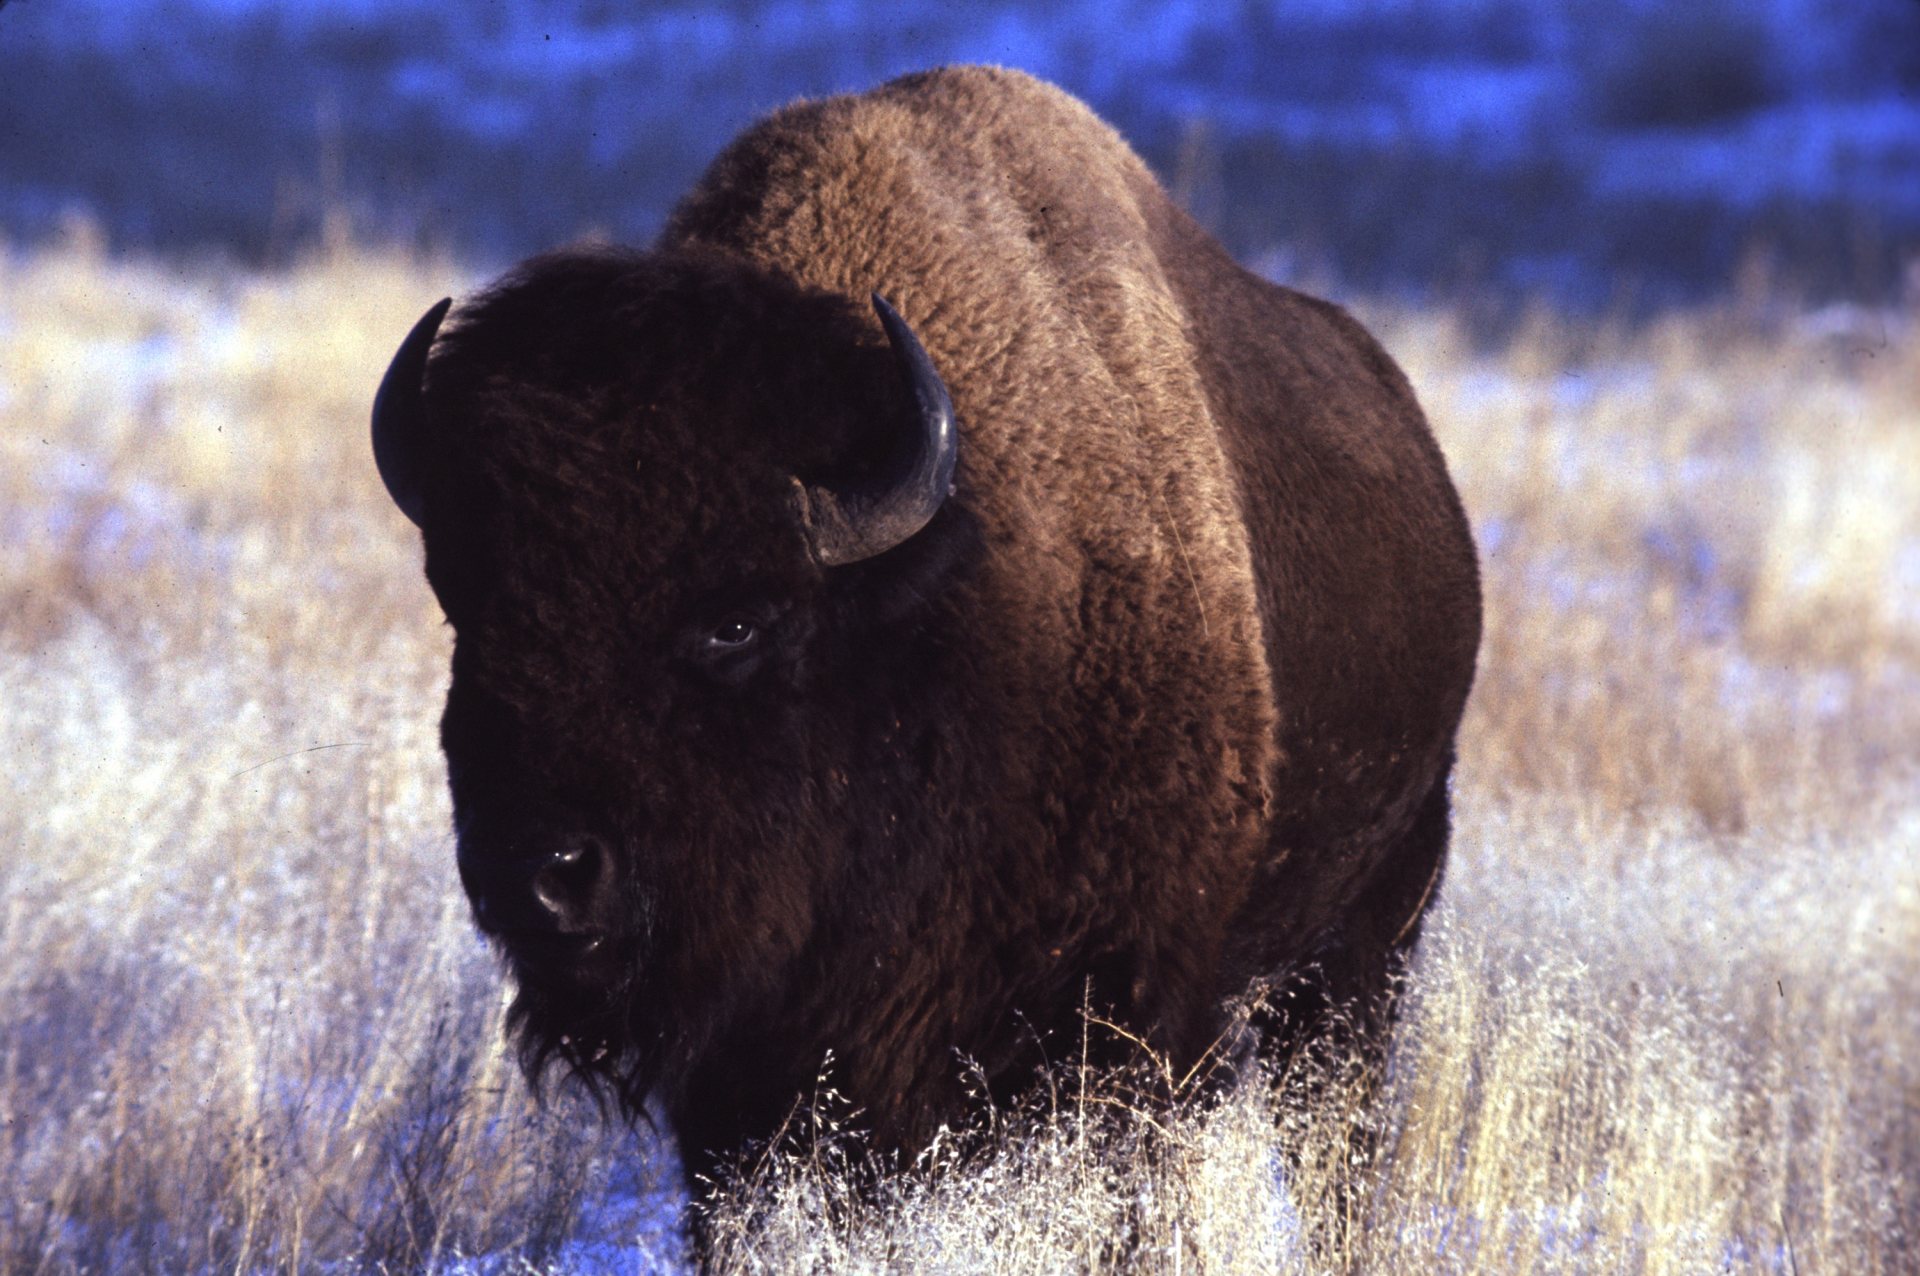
[(1665, 1020)]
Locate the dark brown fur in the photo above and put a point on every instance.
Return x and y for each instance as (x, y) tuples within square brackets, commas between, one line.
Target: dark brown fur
[(1162, 701)]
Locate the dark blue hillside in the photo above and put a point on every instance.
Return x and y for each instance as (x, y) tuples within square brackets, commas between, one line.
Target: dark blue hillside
[(1581, 149)]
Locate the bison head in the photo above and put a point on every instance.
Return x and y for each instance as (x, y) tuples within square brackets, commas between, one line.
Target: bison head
[(689, 524)]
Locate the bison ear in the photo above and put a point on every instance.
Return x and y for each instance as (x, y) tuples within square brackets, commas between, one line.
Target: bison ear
[(846, 525), (399, 416)]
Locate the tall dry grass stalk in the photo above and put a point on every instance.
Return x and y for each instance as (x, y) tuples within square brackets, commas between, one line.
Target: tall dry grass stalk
[(1664, 1019)]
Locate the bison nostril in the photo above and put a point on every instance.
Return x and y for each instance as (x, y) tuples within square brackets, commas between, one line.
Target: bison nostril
[(567, 884)]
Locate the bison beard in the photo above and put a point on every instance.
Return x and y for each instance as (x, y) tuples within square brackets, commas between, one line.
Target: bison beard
[(891, 685)]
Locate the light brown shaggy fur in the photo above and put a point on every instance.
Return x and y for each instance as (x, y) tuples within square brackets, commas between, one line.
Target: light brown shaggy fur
[(1227, 521)]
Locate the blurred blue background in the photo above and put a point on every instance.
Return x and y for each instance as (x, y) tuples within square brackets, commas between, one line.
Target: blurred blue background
[(1592, 152)]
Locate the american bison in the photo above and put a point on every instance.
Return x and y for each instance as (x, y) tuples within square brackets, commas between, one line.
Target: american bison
[(932, 590)]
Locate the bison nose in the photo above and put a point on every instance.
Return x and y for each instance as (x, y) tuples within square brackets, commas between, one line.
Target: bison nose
[(568, 887), (564, 889)]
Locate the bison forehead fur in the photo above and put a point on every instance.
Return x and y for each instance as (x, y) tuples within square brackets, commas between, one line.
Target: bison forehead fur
[(1159, 700)]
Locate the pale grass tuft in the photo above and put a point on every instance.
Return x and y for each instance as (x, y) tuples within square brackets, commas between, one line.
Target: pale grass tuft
[(1663, 1019)]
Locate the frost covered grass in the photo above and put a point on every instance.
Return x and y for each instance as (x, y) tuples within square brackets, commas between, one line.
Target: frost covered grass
[(1664, 1019)]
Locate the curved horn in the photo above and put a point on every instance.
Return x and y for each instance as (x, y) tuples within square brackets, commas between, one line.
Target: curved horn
[(398, 416), (847, 526)]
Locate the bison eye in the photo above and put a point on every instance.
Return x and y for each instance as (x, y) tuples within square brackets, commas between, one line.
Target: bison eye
[(733, 635)]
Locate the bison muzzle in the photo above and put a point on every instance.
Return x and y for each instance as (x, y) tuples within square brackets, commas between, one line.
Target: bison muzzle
[(831, 679)]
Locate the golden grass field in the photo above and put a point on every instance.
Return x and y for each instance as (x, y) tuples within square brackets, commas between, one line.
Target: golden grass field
[(1665, 1019)]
